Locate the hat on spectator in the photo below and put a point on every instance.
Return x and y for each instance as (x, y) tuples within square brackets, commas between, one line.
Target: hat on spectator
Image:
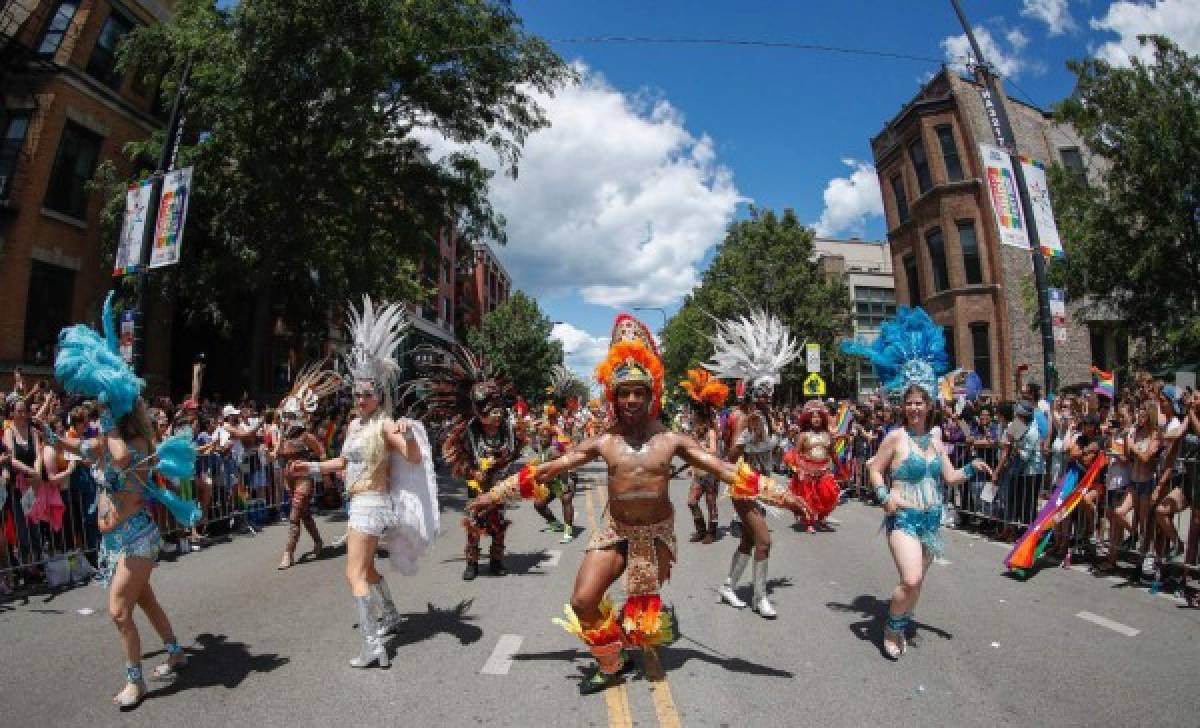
[(190, 404), (1023, 410), (1172, 393), (230, 411)]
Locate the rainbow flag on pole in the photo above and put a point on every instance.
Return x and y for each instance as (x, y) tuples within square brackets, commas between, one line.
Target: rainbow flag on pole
[(1104, 382), (841, 448)]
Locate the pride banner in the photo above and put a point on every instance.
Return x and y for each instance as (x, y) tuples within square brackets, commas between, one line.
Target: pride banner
[(1001, 184)]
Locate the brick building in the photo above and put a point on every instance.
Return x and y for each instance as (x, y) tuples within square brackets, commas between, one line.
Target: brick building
[(65, 110), (945, 247), (865, 266), (483, 284)]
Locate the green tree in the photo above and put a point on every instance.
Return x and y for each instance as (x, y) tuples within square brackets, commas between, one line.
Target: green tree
[(767, 260), (308, 124), (1133, 240), (515, 339)]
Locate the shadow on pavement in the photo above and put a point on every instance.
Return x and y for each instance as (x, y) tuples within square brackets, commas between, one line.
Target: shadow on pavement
[(454, 621), (875, 611), (214, 660), (671, 658)]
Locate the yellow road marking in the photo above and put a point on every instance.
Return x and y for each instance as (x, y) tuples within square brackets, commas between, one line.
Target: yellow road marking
[(616, 697), (664, 704)]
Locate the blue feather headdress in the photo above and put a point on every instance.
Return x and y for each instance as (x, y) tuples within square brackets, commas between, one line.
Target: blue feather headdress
[(91, 365), (910, 349)]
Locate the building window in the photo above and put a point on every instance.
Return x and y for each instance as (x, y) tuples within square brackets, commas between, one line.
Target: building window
[(982, 353), (47, 309), (914, 282), (103, 63), (1072, 159), (937, 259), (945, 135), (916, 152), (14, 126), (446, 270), (901, 199), (951, 355), (447, 314), (78, 151), (57, 28), (970, 251)]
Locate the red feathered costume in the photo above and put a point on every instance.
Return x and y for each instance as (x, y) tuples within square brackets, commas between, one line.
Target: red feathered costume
[(811, 463)]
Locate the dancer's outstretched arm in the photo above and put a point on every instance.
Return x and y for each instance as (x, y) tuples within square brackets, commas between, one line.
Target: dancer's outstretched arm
[(526, 482)]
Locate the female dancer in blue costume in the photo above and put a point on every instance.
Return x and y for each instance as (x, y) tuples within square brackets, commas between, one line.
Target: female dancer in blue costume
[(908, 355), (920, 470), (123, 457)]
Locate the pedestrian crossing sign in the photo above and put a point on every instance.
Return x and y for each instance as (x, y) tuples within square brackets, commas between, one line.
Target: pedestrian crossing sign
[(814, 385)]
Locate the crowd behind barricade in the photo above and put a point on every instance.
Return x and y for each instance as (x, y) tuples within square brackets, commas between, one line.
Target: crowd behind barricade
[(48, 526), (1139, 518)]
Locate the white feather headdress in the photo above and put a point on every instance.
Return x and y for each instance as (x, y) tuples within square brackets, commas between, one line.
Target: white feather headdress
[(375, 334), (752, 348)]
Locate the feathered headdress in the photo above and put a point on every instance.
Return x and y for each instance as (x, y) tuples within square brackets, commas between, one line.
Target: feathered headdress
[(91, 365), (705, 389), (910, 349), (753, 348), (632, 358), (566, 387), (375, 334), (312, 384), (458, 385)]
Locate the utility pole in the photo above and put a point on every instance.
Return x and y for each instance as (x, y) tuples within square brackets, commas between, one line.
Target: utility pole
[(1003, 132), (166, 162)]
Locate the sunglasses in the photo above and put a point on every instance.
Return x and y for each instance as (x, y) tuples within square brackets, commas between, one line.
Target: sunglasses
[(364, 395)]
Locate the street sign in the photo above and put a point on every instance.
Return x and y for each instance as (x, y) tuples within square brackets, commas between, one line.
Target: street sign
[(812, 357), (814, 385)]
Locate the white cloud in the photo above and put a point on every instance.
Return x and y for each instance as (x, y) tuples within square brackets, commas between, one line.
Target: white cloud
[(1178, 20), (957, 50), (616, 199), (582, 351), (850, 201), (1053, 13)]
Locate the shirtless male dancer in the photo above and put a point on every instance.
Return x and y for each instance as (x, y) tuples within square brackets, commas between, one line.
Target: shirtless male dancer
[(639, 537)]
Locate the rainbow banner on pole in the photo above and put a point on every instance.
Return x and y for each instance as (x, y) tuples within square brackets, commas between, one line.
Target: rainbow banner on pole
[(1104, 382), (841, 448)]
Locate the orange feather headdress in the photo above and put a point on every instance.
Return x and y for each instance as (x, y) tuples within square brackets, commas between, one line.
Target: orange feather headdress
[(704, 389), (632, 358)]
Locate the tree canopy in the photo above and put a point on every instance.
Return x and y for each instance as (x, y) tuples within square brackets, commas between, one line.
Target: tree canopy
[(309, 123), (515, 339), (768, 261), (1133, 240)]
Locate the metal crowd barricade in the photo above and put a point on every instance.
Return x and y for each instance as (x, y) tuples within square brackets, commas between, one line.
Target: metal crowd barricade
[(58, 547)]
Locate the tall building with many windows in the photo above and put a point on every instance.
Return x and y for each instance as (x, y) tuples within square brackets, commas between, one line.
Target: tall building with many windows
[(945, 244), (65, 109), (865, 266)]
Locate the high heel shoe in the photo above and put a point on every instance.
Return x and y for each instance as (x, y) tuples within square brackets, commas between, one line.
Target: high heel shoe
[(894, 638), (286, 563), (372, 649), (761, 605), (318, 547), (135, 690), (737, 567)]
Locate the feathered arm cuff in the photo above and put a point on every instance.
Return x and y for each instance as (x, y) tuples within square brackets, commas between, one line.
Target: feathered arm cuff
[(524, 484), (748, 484)]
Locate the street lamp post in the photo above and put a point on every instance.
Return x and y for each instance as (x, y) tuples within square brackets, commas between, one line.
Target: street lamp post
[(660, 309)]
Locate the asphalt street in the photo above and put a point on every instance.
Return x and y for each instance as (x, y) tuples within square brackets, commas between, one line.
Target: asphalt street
[(270, 648)]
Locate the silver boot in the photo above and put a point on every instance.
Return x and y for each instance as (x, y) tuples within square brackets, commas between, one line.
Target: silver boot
[(389, 616), (737, 567), (762, 605), (372, 647)]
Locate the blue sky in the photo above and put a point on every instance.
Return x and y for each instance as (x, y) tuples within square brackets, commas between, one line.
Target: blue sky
[(620, 202)]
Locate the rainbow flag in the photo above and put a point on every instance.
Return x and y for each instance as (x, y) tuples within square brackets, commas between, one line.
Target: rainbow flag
[(1104, 382), (1072, 486), (841, 448)]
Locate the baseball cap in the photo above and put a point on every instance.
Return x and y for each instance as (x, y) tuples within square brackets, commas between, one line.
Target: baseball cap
[(230, 411)]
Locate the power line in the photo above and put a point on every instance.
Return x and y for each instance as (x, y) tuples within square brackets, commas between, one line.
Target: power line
[(733, 42)]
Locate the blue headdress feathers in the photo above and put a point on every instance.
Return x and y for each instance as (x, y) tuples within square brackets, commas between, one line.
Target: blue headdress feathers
[(91, 365), (910, 349)]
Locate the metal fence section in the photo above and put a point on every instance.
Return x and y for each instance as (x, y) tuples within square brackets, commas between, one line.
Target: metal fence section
[(49, 533)]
